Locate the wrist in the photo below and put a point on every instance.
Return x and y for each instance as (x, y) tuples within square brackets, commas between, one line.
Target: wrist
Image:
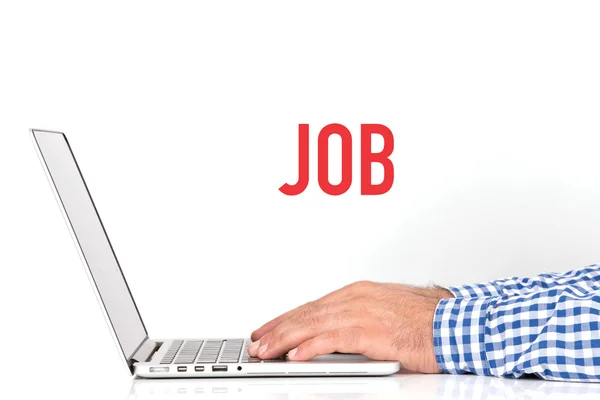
[(430, 292), (421, 355), (440, 293)]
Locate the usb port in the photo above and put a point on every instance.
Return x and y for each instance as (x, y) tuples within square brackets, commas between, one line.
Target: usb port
[(219, 368), (199, 368), (181, 369)]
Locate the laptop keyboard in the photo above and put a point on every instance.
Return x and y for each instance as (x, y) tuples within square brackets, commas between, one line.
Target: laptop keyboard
[(210, 352)]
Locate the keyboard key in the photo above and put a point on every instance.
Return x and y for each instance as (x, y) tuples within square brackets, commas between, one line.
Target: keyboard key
[(232, 350), (171, 352), (210, 352), (188, 352)]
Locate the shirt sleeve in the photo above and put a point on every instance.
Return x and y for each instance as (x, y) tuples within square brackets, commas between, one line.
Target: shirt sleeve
[(588, 277), (552, 333)]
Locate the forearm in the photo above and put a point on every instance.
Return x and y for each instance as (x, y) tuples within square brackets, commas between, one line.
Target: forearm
[(588, 277), (551, 333)]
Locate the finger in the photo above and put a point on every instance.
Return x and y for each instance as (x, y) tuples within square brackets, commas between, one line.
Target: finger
[(291, 334), (337, 295), (269, 326), (260, 332), (350, 340), (301, 312)]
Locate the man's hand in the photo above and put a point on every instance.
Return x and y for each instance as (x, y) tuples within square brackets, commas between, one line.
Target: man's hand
[(379, 320)]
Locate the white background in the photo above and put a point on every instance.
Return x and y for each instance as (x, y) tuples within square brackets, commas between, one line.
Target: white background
[(184, 115)]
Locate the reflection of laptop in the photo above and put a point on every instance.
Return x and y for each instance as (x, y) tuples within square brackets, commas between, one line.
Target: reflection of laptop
[(264, 388), (161, 358)]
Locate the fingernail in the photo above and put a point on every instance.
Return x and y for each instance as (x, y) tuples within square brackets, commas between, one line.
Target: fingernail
[(292, 353), (262, 349), (253, 348)]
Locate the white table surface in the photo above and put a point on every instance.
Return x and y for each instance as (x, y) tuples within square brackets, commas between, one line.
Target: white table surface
[(115, 385), (403, 385)]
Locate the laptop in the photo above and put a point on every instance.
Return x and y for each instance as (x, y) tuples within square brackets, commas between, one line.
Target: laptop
[(162, 358)]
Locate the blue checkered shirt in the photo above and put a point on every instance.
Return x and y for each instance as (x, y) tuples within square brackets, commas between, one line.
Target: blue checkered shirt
[(547, 325)]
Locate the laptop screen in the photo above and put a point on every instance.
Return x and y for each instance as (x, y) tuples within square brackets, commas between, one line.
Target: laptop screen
[(92, 240)]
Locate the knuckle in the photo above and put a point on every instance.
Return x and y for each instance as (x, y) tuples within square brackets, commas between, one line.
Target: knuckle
[(306, 348), (353, 337), (286, 337), (343, 317), (333, 335), (354, 341), (363, 310), (314, 322), (363, 284), (311, 305), (301, 316), (267, 338)]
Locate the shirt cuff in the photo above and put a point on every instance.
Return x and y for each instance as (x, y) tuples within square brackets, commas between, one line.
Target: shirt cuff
[(488, 289), (459, 335)]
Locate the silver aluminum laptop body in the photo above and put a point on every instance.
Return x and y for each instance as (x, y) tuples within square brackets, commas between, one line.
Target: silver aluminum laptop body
[(153, 358)]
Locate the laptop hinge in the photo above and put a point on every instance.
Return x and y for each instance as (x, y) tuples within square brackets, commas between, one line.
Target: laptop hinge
[(144, 352)]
